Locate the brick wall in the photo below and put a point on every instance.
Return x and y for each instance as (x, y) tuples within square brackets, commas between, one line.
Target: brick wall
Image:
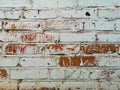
[(59, 45)]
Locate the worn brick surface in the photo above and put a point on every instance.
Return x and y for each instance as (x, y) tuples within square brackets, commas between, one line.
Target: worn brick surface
[(59, 45)]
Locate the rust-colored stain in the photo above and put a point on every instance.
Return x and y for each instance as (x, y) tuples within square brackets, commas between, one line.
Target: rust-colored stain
[(13, 27), (77, 61), (55, 46), (29, 37), (6, 23), (3, 73), (20, 48), (98, 48), (45, 88)]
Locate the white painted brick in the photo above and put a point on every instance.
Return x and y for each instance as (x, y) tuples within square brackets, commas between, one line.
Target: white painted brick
[(66, 3), (0, 25), (77, 37), (8, 61), (65, 85), (38, 14), (27, 85), (109, 13), (115, 74), (72, 73), (84, 3), (12, 14), (110, 85), (98, 25), (79, 13), (39, 85), (14, 3), (11, 37), (11, 85), (41, 61), (109, 37), (57, 73), (54, 4), (89, 73), (44, 4), (109, 61), (29, 73), (117, 25), (90, 85), (2, 14)]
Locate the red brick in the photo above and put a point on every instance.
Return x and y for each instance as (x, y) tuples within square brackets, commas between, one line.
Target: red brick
[(77, 61), (98, 48)]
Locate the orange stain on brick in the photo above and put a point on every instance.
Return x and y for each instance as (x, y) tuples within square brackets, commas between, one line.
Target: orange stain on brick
[(3, 73), (12, 48), (45, 88), (77, 61), (29, 37), (6, 23), (55, 46), (13, 27)]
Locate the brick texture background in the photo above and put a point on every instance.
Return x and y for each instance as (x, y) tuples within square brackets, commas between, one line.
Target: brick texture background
[(59, 44)]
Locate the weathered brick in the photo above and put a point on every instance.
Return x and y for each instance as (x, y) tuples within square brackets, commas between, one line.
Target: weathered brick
[(8, 61), (28, 26), (61, 49), (29, 37), (62, 25), (11, 85), (112, 85), (29, 73), (40, 37), (77, 37), (41, 61), (38, 14), (21, 49)]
